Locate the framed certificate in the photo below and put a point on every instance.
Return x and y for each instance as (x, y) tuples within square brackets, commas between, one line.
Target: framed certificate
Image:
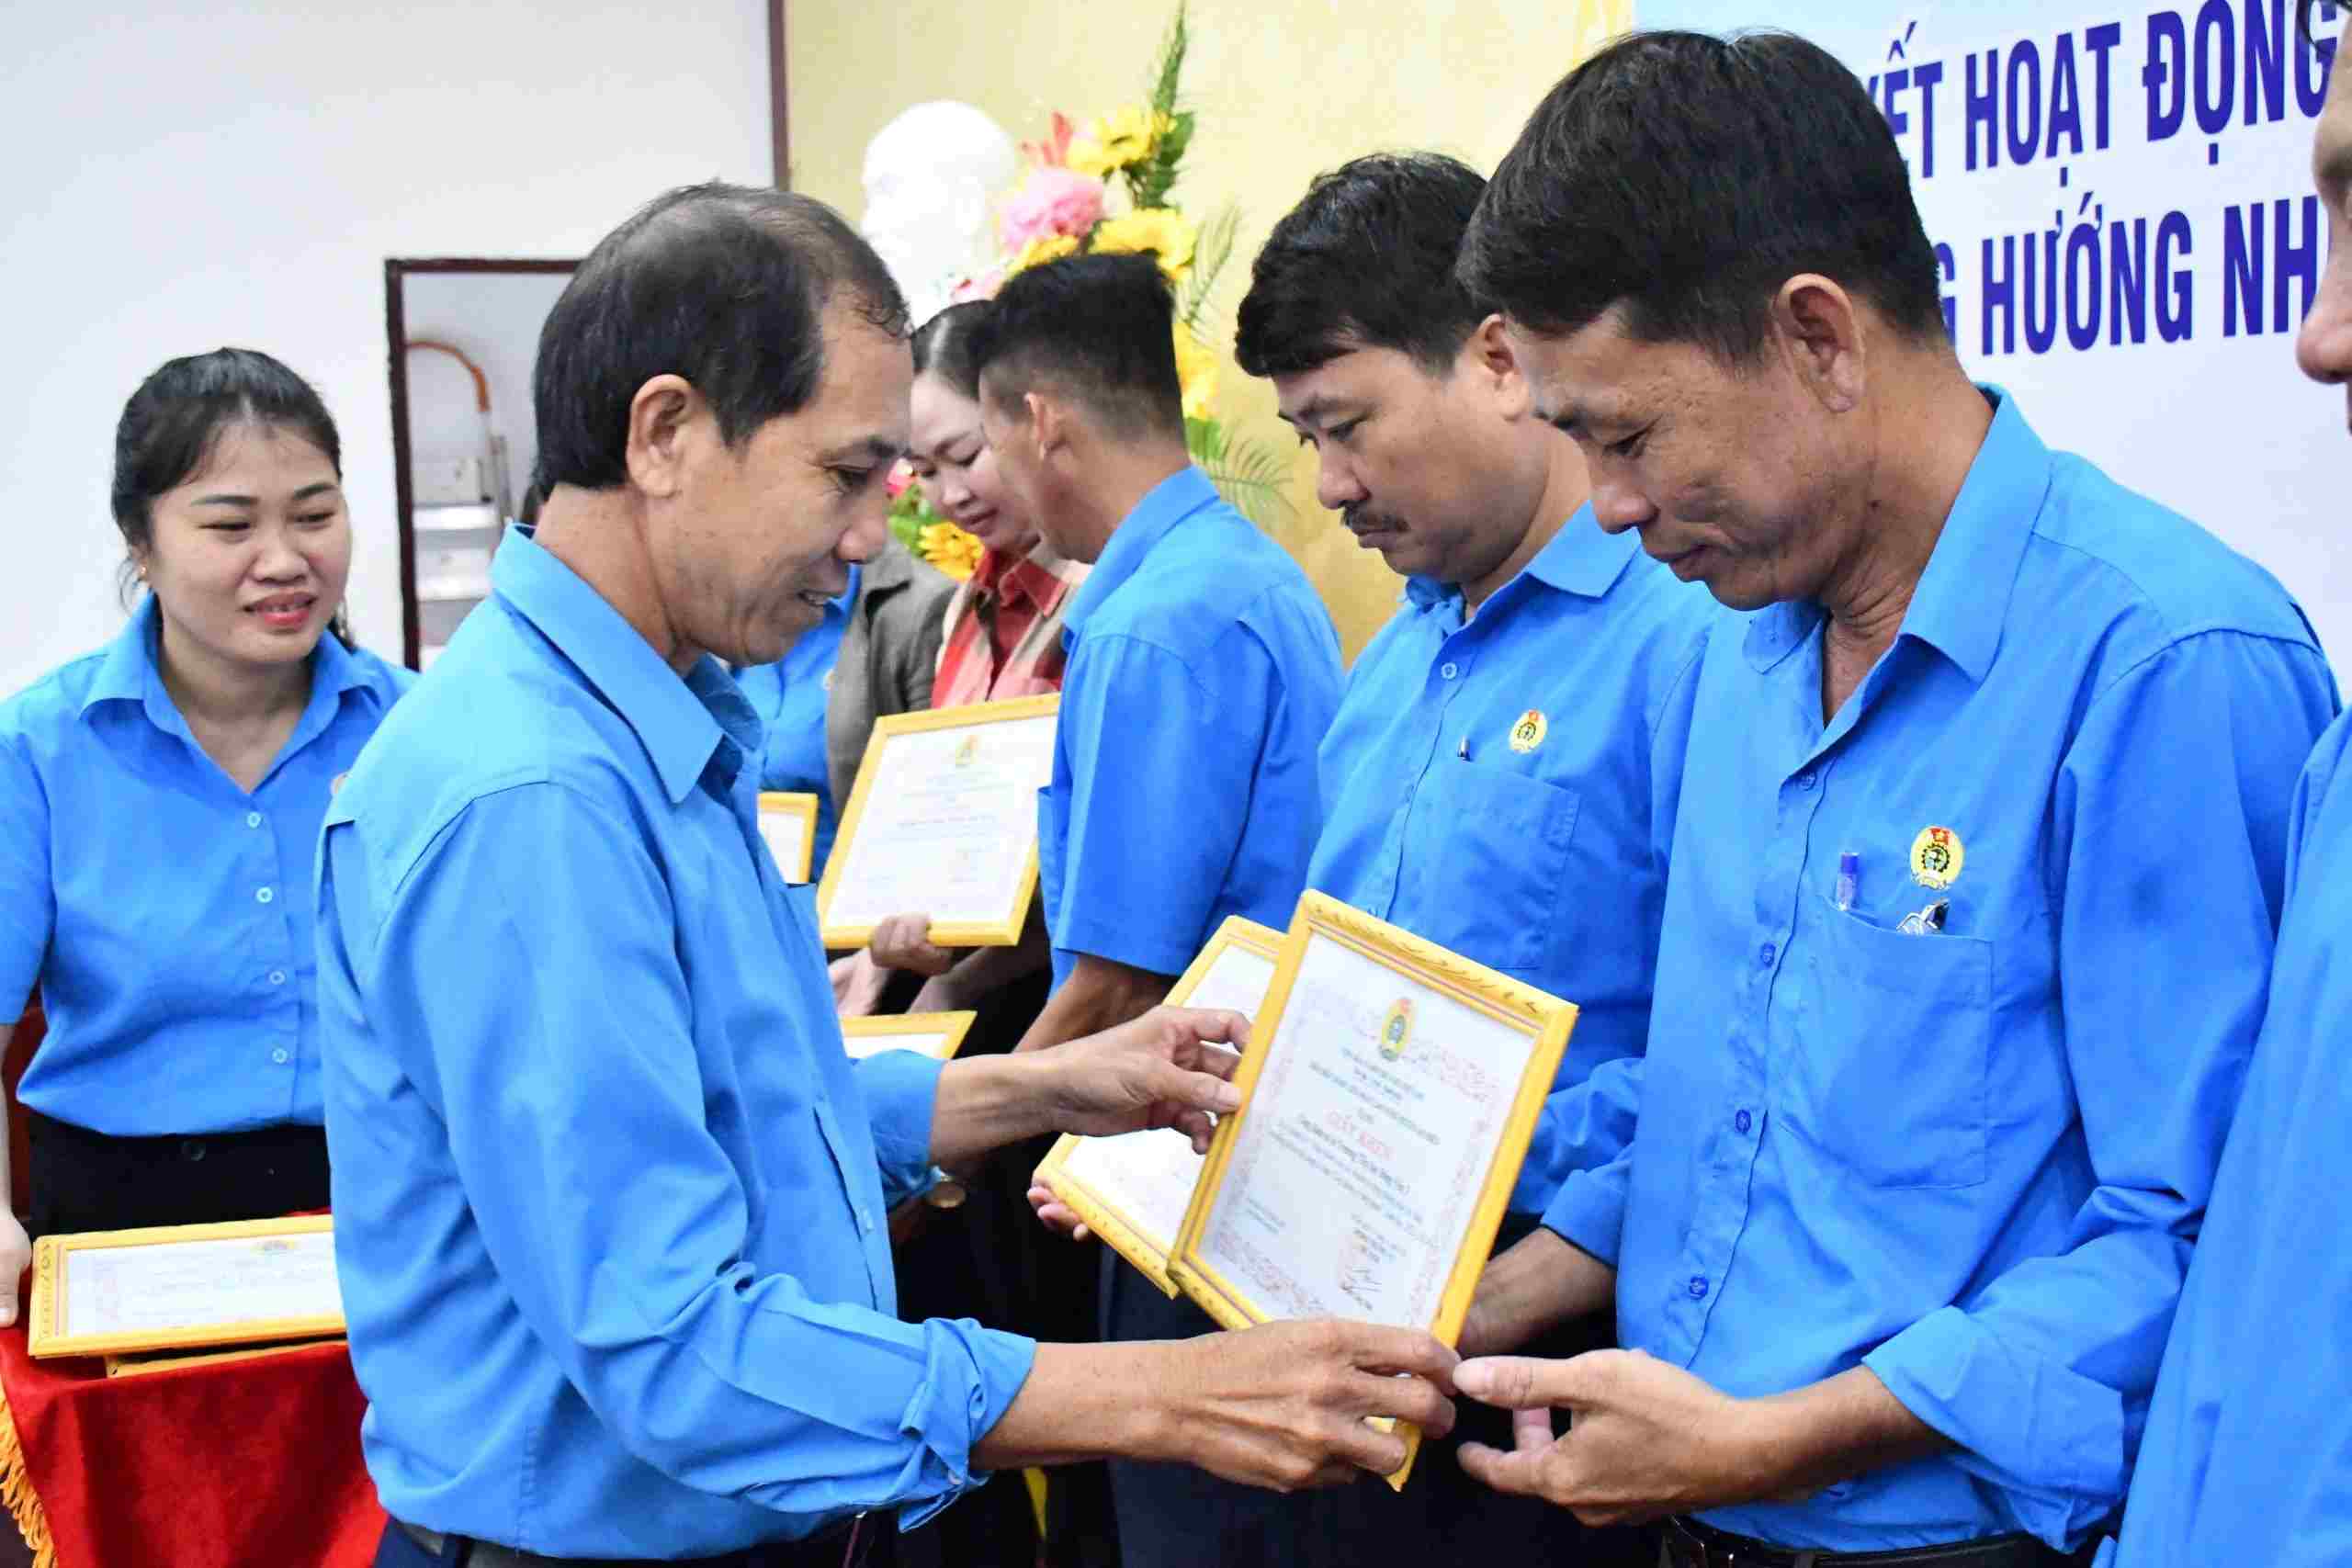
[(788, 823), (939, 1034), (942, 821), (1132, 1189), (1386, 1102), (179, 1287)]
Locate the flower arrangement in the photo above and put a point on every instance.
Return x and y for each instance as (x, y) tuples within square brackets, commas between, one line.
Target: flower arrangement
[(1108, 189)]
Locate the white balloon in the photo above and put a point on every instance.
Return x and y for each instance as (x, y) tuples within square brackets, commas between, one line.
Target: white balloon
[(931, 176)]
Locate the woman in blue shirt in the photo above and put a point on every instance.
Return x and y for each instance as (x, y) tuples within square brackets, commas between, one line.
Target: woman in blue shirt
[(159, 805)]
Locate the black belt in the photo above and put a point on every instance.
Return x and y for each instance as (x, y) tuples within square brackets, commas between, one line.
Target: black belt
[(1688, 1544), (844, 1546)]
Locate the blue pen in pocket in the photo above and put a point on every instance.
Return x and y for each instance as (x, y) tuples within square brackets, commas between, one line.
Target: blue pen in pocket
[(1850, 879)]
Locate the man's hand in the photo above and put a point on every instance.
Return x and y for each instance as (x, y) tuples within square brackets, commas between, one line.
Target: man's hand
[(16, 1253), (1285, 1406), (1535, 1286), (1647, 1439), (857, 984), (1055, 1214), (1165, 1069), (903, 942), (1168, 1068)]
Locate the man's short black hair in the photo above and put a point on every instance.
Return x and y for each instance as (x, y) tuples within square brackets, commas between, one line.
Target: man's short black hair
[(725, 286), (1365, 260), (1686, 178), (1097, 328)]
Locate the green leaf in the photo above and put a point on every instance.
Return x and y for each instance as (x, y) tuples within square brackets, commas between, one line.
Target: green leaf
[(1211, 251), (1252, 475), (1167, 67)]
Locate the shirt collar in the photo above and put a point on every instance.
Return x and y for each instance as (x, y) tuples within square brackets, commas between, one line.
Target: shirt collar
[(680, 723), (127, 671), (1040, 578), (1167, 503), (1961, 603), (1582, 558)]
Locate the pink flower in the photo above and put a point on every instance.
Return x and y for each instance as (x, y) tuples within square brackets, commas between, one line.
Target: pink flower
[(1052, 201), (981, 287), (900, 476), (1054, 151)]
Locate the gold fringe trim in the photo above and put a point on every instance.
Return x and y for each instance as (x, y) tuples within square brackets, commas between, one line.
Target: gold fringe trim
[(17, 1492)]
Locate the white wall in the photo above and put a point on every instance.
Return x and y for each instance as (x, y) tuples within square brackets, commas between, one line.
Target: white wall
[(188, 175)]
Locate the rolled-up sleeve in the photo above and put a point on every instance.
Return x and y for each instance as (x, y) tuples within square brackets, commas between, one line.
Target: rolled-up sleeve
[(1596, 1120), (2171, 816), (529, 967), (27, 897), (1161, 773), (902, 1088)]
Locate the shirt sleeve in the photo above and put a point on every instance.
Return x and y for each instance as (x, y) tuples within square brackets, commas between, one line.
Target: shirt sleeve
[(27, 897), (1597, 1119), (2171, 817), (564, 1037), (1162, 769), (902, 1088)]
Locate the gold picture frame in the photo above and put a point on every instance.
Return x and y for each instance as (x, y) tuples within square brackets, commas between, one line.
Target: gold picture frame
[(1120, 1220), (935, 1034), (239, 1243), (1423, 970), (795, 807), (999, 932)]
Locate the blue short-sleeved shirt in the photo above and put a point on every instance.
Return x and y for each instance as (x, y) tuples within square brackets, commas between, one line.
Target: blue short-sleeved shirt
[(164, 912), (2248, 1453), (789, 698), (1970, 1160), (1203, 672), (610, 1196), (1505, 786)]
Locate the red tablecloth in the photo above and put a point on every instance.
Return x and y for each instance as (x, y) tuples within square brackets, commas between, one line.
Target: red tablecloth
[(235, 1464)]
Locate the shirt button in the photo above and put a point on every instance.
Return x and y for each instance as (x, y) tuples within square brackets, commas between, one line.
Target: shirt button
[(1804, 781), (1765, 954), (278, 1055), (1742, 1122), (1449, 669), (252, 819), (1698, 1286), (865, 1221), (263, 894), (277, 976)]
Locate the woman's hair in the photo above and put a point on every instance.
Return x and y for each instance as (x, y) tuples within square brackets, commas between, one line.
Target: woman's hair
[(943, 345), (172, 422)]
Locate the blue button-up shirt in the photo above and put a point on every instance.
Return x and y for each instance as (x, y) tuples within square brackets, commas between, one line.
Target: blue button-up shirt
[(1203, 672), (789, 698), (1972, 1159), (165, 912), (1535, 845), (610, 1196), (2250, 1435)]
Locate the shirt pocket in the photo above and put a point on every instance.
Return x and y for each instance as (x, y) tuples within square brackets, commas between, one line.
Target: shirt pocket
[(1495, 844), (1894, 1082)]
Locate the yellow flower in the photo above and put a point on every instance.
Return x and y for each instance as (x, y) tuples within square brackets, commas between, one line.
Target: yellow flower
[(1197, 366), (1118, 141), (1040, 249), (949, 549), (1160, 229)]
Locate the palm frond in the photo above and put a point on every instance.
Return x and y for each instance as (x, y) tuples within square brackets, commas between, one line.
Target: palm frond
[(1211, 251), (1167, 66), (1252, 475)]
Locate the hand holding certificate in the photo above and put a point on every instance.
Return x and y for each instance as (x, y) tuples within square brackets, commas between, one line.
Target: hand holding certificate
[(943, 821), (1387, 1101), (1132, 1190)]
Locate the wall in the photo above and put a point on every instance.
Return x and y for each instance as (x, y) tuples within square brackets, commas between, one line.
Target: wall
[(1284, 91), (213, 172)]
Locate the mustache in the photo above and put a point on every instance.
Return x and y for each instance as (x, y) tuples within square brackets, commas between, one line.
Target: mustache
[(1363, 517)]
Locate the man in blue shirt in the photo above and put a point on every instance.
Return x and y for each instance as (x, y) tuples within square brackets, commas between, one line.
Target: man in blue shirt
[(1202, 669), (2248, 1451), (1502, 775), (610, 1195), (1977, 867)]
